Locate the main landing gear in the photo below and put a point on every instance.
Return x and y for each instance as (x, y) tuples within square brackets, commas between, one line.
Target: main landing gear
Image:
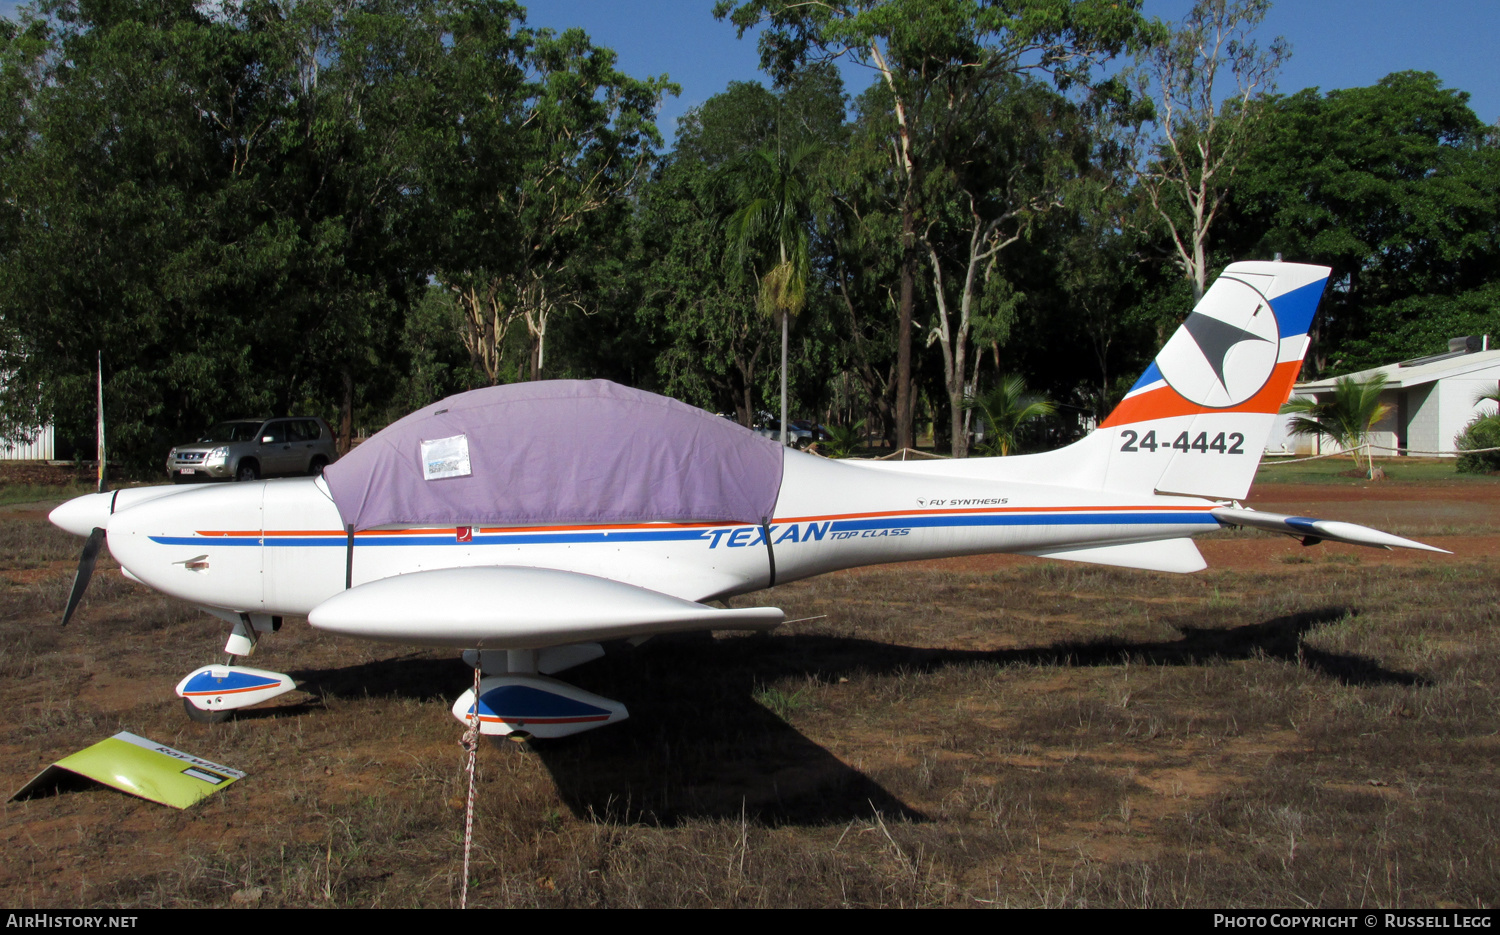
[(212, 694), (518, 702)]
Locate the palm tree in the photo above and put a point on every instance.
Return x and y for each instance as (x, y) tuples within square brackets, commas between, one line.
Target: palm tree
[(843, 440), (1005, 410), (775, 197), (1346, 418)]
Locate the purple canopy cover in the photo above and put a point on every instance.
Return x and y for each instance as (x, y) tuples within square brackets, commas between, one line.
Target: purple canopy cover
[(557, 452)]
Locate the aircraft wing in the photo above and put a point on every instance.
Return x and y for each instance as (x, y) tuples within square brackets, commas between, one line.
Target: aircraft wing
[(516, 607)]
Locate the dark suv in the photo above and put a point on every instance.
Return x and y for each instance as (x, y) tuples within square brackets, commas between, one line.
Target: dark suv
[(246, 449)]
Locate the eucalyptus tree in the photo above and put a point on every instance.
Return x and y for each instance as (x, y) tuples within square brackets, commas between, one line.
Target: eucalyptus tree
[(933, 56), (1202, 126), (546, 143), (1001, 168)]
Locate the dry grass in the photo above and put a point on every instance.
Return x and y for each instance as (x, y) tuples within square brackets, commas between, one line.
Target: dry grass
[(1040, 735)]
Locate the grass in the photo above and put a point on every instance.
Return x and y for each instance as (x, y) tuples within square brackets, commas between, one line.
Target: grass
[(1038, 734), (13, 494), (1332, 470)]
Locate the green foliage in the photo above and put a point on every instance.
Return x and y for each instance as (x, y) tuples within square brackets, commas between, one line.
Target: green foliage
[(241, 206), (1396, 187), (714, 340), (1482, 432), (1421, 325), (947, 69), (208, 199), (773, 188), (246, 209), (534, 180), (843, 440), (1346, 417), (1007, 410)]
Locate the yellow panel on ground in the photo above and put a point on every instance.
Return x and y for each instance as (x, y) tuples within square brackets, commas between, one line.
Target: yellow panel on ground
[(140, 767)]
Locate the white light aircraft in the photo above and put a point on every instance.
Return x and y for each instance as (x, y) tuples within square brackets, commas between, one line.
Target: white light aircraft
[(526, 524)]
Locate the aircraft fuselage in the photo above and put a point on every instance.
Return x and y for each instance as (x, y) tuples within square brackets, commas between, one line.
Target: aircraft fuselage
[(279, 547)]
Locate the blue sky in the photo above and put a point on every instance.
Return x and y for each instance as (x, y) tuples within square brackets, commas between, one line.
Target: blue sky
[(1335, 43)]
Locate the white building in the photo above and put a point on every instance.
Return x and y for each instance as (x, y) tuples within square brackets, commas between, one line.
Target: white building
[(1431, 399), (36, 445), (39, 448)]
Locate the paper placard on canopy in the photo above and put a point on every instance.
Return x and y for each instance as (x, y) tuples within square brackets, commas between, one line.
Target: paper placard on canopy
[(139, 766)]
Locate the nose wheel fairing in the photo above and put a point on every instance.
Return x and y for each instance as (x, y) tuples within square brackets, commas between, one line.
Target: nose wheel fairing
[(224, 688)]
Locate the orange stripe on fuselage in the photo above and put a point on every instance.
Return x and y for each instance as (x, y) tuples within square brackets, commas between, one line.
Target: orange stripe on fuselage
[(441, 530), (1164, 402)]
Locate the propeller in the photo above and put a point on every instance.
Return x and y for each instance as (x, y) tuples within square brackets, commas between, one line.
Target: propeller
[(85, 571)]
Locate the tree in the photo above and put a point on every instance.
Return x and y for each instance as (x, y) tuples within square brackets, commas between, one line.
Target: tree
[(1394, 186), (220, 200), (126, 196), (1200, 141), (1418, 326), (546, 143), (775, 204), (713, 340), (933, 57), (1346, 417), (712, 337), (1006, 410), (1002, 168)]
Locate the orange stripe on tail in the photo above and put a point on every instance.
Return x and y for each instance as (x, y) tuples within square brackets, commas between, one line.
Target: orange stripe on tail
[(1164, 402)]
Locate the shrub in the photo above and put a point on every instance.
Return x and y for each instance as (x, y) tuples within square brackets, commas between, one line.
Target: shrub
[(1483, 432)]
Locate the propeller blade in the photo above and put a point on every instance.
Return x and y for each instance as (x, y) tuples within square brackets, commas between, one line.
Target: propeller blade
[(85, 571)]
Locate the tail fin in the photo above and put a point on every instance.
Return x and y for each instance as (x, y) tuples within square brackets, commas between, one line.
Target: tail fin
[(1198, 419)]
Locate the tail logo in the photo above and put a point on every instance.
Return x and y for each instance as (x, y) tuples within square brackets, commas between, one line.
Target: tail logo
[(1224, 353)]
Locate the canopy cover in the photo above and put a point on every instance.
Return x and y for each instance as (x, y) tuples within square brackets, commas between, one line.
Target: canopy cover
[(557, 452)]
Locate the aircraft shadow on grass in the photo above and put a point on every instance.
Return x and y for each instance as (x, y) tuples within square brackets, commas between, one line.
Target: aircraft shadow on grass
[(699, 745)]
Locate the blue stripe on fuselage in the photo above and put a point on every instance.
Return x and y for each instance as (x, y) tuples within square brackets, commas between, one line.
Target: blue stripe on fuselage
[(685, 535), (1022, 519)]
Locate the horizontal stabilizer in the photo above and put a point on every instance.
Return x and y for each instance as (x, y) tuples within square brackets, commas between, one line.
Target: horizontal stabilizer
[(1179, 555), (512, 607), (1318, 529)]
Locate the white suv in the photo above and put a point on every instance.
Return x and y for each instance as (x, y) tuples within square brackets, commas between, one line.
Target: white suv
[(247, 449)]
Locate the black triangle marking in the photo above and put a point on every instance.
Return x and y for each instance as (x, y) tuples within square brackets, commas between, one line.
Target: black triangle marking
[(1216, 339)]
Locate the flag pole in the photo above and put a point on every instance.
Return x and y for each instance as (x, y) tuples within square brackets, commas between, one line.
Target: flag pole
[(103, 474)]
